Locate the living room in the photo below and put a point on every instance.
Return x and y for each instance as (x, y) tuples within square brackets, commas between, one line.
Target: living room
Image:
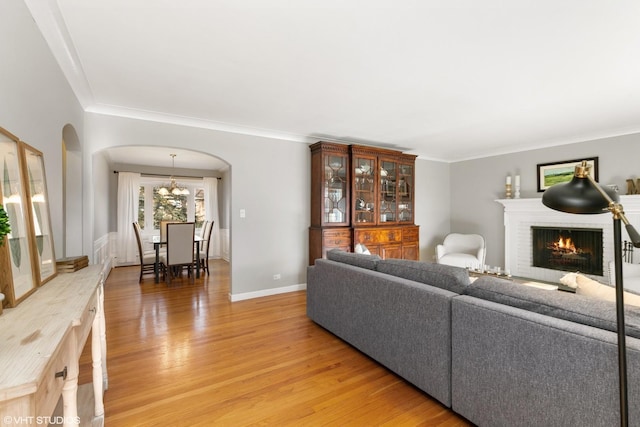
[(272, 238), (269, 176)]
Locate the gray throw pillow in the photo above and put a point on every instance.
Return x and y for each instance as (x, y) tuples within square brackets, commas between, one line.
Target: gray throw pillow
[(454, 279), (359, 260)]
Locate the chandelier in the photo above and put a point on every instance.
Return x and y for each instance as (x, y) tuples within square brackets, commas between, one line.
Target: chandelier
[(173, 187)]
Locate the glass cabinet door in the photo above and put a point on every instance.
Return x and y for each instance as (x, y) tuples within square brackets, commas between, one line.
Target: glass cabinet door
[(364, 186), (335, 189), (405, 193), (388, 191)]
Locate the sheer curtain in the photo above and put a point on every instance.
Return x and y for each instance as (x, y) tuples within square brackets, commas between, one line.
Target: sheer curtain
[(128, 191), (212, 214)]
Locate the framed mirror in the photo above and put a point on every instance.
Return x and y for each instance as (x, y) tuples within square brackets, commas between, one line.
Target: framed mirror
[(38, 204), (17, 278)]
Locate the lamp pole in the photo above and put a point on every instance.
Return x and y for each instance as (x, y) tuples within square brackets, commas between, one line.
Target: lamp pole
[(583, 195), (619, 217), (622, 346)]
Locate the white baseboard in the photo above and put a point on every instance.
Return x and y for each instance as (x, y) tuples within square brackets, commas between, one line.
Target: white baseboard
[(267, 292)]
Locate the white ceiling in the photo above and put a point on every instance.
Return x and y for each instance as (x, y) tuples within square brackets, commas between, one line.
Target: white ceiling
[(445, 79)]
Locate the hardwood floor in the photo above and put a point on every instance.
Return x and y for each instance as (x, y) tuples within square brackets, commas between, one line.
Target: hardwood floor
[(186, 356)]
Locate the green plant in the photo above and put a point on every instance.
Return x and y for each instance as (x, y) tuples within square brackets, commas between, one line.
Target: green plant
[(5, 227)]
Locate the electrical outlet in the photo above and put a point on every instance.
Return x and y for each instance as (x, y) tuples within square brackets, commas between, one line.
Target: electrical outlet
[(276, 276)]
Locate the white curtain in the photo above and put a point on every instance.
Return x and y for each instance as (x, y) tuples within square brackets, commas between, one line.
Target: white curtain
[(128, 192), (212, 214)]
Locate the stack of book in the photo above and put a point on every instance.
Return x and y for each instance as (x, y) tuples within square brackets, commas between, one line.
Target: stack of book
[(71, 264)]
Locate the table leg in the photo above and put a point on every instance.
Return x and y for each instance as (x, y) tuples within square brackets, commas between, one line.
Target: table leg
[(96, 359), (70, 390), (197, 260), (157, 263)]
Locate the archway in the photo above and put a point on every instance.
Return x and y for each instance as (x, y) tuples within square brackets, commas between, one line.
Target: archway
[(155, 163), (71, 193)]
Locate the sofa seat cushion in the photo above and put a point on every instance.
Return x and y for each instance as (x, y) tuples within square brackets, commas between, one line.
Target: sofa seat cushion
[(562, 305), (454, 279), (359, 260)]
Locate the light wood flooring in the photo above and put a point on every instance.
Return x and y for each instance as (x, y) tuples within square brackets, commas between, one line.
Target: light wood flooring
[(186, 356)]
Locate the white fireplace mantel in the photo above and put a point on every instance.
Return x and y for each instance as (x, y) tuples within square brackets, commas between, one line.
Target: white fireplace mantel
[(521, 214)]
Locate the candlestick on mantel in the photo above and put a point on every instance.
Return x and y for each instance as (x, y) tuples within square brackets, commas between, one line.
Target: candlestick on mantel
[(517, 190), (508, 187)]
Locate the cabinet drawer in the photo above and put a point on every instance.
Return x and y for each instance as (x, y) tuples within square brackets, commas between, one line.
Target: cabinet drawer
[(410, 234), (380, 236), (86, 322), (48, 392), (335, 238)]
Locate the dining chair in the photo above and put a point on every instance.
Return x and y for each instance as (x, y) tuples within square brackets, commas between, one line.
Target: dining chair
[(179, 249), (163, 229), (147, 258), (203, 230), (204, 247)]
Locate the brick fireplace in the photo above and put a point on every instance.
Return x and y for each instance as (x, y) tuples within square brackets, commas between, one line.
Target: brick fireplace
[(535, 237)]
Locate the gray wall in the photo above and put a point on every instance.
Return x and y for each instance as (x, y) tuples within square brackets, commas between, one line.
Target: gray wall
[(476, 184), (36, 101), (104, 212), (224, 199), (433, 200)]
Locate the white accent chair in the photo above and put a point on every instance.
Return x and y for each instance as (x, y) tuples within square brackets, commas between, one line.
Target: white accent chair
[(462, 250)]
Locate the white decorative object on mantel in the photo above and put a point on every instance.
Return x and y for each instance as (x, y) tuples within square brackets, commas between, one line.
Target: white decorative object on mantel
[(521, 214)]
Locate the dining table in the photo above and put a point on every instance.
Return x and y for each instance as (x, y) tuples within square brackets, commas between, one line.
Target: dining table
[(156, 266)]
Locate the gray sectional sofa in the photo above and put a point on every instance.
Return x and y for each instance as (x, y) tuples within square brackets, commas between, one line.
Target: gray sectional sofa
[(497, 353)]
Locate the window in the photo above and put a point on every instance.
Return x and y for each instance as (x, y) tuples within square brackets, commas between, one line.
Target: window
[(141, 208), (190, 207), (168, 208), (199, 199)]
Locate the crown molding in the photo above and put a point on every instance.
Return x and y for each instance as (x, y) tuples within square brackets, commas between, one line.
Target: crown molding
[(48, 18)]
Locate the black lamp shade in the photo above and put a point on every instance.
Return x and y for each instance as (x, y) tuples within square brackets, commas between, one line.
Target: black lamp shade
[(578, 196)]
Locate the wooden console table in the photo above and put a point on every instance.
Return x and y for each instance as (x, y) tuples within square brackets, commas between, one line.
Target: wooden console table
[(41, 341)]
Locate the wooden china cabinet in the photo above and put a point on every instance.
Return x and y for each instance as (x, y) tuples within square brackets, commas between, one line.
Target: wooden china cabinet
[(362, 195)]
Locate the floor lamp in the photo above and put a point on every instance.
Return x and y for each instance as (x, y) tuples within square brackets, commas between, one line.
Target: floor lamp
[(583, 195)]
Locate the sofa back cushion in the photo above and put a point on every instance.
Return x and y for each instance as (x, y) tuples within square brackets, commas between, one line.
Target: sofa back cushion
[(359, 260), (562, 305), (454, 279)]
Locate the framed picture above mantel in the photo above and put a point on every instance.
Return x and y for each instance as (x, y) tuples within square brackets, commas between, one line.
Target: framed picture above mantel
[(560, 172)]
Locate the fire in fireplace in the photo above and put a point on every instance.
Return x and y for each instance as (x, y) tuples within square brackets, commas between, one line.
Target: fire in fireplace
[(568, 249)]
